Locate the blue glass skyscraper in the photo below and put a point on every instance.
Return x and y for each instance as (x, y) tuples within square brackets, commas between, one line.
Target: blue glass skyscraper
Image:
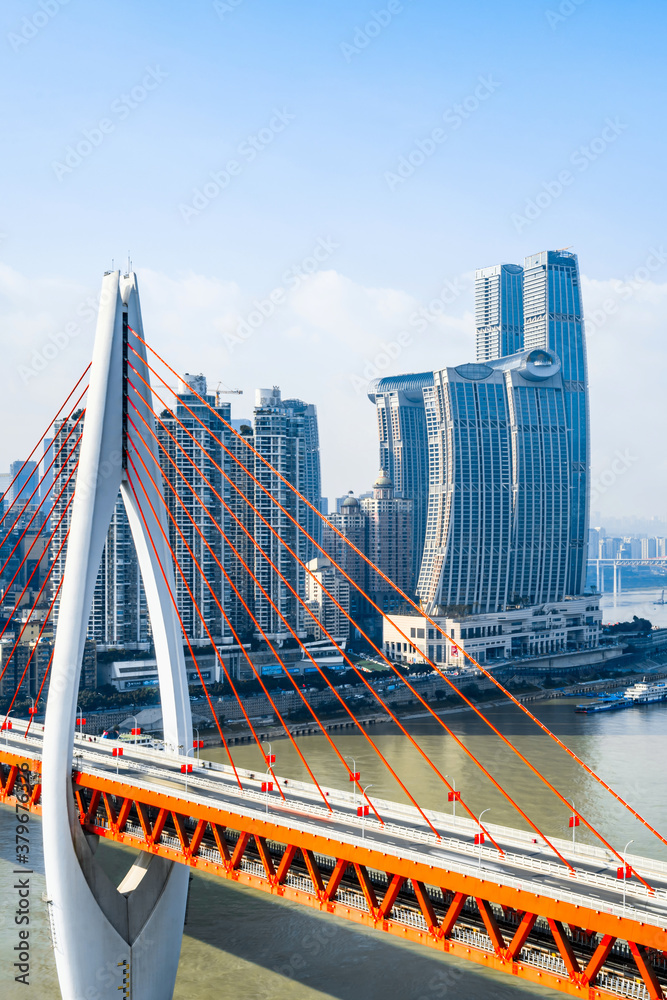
[(499, 311), (553, 319), (399, 404), (498, 517)]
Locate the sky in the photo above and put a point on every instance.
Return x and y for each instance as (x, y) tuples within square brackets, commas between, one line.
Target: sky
[(305, 191)]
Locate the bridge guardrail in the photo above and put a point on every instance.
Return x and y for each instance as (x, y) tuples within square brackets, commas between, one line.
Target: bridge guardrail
[(525, 862)]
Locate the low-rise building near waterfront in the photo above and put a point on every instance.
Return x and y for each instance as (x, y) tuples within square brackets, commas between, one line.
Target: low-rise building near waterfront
[(563, 627)]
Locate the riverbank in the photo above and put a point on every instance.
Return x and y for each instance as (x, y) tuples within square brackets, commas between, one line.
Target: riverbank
[(342, 723)]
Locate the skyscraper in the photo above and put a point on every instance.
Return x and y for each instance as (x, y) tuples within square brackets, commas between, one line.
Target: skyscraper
[(286, 436), (553, 319), (350, 524), (389, 542), (26, 481), (536, 306), (498, 519), (399, 403), (189, 470), (119, 616), (241, 528), (312, 475), (499, 311)]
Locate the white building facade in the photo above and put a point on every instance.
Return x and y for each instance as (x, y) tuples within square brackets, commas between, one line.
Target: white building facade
[(544, 630)]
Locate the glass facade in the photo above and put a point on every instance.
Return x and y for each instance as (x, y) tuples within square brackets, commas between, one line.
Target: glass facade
[(498, 514), (286, 436), (553, 319), (499, 311), (119, 614), (404, 453), (193, 535)]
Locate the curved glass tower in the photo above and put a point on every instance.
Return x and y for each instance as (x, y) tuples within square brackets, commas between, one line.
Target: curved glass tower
[(553, 319), (499, 311), (399, 402), (498, 516)]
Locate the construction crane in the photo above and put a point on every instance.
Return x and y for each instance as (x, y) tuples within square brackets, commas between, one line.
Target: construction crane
[(225, 392)]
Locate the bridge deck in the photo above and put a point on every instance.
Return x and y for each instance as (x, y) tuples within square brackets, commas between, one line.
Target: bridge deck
[(522, 911)]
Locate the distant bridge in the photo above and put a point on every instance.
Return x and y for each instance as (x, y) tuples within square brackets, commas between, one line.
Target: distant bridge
[(618, 564)]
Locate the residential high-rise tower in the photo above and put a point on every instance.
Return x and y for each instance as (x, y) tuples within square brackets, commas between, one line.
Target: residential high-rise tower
[(286, 436), (194, 493), (399, 403), (499, 311), (499, 515), (553, 319)]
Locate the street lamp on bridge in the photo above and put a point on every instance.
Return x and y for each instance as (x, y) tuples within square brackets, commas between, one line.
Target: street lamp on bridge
[(453, 796), (363, 811), (624, 870), (267, 786), (354, 777), (479, 837), (574, 821), (187, 768)]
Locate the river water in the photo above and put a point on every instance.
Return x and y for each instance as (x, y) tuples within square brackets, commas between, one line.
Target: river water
[(241, 943), (643, 603)]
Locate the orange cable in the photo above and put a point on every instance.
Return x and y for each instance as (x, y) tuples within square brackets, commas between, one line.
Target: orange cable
[(376, 695), (185, 635), (220, 607), (39, 693), (42, 502), (47, 469), (250, 614), (481, 715), (439, 628), (315, 664), (42, 438), (23, 592), (44, 624), (437, 718)]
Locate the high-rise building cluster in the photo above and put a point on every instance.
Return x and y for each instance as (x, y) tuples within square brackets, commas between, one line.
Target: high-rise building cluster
[(234, 534), (479, 513), (505, 457)]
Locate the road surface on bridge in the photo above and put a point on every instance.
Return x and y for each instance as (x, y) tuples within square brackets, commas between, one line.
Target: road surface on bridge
[(527, 863)]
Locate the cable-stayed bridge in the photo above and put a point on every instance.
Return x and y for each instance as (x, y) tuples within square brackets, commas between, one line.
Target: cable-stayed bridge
[(586, 920)]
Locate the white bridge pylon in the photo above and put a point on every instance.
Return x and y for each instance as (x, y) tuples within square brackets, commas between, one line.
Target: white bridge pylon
[(112, 941)]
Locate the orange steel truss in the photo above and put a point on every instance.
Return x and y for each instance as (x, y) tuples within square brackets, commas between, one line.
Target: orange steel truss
[(580, 951)]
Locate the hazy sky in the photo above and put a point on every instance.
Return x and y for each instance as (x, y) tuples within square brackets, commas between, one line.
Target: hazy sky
[(388, 149)]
